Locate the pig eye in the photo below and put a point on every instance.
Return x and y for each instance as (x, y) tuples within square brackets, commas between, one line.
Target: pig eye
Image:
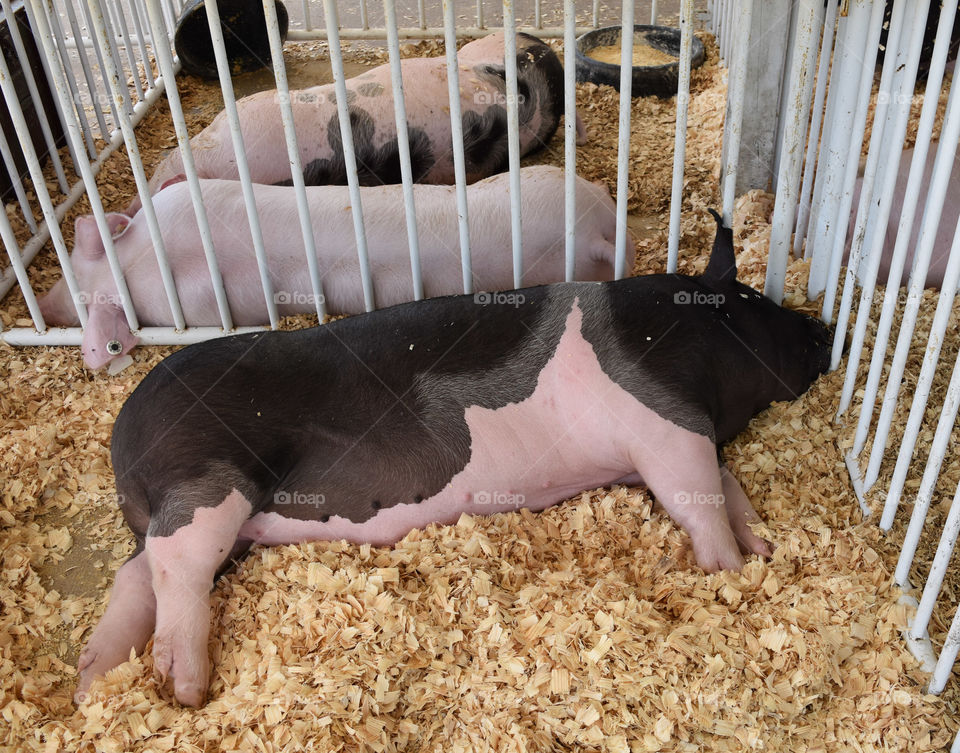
[(114, 347)]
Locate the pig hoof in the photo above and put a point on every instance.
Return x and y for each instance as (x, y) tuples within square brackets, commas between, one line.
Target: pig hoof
[(190, 693)]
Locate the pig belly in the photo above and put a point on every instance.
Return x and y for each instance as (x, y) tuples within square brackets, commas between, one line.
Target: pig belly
[(574, 432)]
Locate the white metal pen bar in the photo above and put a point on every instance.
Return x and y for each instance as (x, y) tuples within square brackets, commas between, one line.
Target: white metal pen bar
[(403, 145), (680, 133), (735, 100), (456, 129), (884, 133), (243, 169), (293, 154), (13, 28), (122, 96), (349, 156), (92, 90), (165, 65), (623, 139), (513, 138), (570, 138)]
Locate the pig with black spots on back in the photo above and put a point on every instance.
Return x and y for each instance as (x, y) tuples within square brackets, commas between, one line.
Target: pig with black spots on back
[(370, 426), (374, 126)]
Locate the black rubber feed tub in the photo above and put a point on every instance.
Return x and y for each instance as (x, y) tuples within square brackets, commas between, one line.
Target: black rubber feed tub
[(244, 36), (648, 80)]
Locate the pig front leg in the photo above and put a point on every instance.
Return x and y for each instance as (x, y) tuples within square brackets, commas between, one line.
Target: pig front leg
[(183, 566), (127, 623), (680, 469), (740, 513)]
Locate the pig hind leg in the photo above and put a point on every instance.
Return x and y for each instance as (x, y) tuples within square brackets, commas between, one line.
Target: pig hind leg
[(127, 623), (183, 565), (680, 469)]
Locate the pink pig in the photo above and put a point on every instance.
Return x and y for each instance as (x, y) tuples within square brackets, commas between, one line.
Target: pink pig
[(943, 238), (107, 336), (370, 99)]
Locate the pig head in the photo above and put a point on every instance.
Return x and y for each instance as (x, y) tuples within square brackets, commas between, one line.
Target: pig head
[(106, 334)]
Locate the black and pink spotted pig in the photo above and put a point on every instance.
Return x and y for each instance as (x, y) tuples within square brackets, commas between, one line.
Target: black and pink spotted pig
[(370, 426)]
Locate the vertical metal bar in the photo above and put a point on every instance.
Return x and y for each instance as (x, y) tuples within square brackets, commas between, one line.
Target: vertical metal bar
[(570, 137), (480, 22), (949, 135), (788, 179), (737, 91), (307, 23), (98, 51), (948, 538), (456, 128), (932, 354), (13, 28), (364, 23), (596, 13), (403, 144), (16, 263), (892, 134), (142, 35), (852, 81), (838, 239), (422, 15), (787, 75), (110, 44), (122, 95), (513, 138), (814, 135), (164, 58), (879, 138), (293, 153), (87, 75), (349, 156), (243, 169), (42, 29), (680, 134), (948, 656), (124, 34), (623, 138), (46, 64), (904, 231), (537, 15), (726, 40), (17, 183), (653, 12)]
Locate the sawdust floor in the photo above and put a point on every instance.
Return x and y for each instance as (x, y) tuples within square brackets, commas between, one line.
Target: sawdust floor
[(585, 627)]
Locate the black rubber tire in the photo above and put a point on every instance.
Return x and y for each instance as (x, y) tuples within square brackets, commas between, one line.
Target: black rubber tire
[(653, 80), (244, 36)]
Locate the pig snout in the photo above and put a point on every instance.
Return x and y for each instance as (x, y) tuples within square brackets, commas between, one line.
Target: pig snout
[(106, 336)]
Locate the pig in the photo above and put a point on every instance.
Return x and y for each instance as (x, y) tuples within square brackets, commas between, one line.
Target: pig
[(943, 240), (107, 336), (368, 427), (370, 98)]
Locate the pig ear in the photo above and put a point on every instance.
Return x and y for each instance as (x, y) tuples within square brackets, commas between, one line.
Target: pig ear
[(86, 235), (723, 261), (175, 179), (106, 335)]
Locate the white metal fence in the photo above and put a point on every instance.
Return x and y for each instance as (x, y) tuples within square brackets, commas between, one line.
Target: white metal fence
[(831, 85), (100, 113)]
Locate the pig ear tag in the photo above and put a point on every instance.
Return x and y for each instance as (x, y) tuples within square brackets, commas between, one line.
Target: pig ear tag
[(114, 347)]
